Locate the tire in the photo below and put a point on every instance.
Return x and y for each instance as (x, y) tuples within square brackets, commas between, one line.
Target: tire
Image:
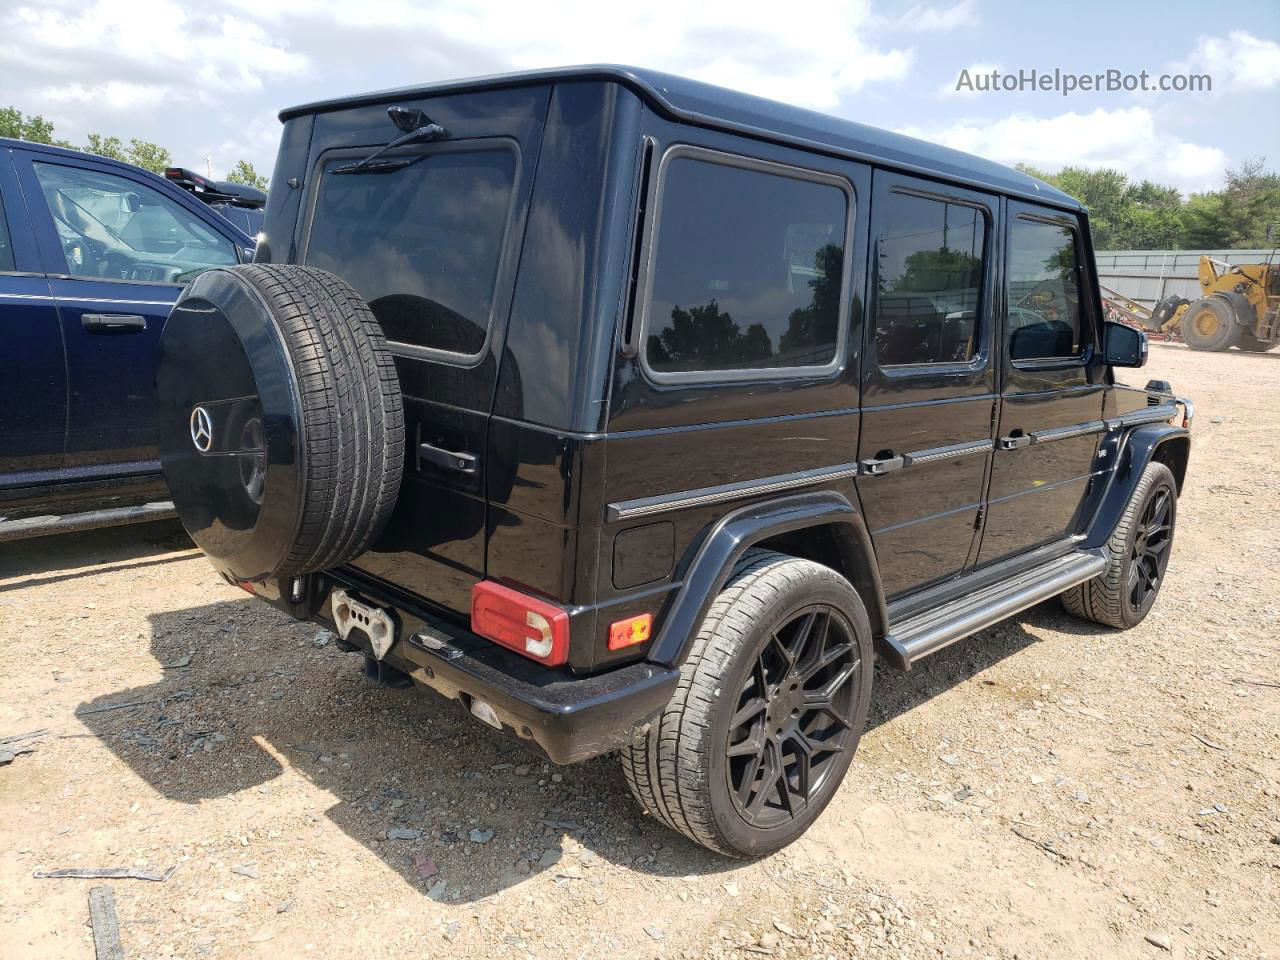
[(1210, 324), (1163, 311), (292, 376), (1253, 345), (1109, 597), (679, 768)]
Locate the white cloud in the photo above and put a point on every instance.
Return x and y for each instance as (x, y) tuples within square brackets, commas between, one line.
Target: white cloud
[(925, 17), (811, 60), (1238, 62), (1126, 139), (155, 38), (113, 95)]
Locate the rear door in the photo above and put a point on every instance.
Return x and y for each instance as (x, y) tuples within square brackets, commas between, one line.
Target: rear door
[(33, 370), (1054, 383), (432, 246), (928, 377), (117, 251)]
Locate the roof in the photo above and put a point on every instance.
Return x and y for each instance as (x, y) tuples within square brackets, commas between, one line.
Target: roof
[(703, 104)]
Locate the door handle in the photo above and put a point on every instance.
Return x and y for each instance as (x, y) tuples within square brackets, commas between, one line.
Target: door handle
[(1015, 440), (113, 322), (877, 466), (450, 460)]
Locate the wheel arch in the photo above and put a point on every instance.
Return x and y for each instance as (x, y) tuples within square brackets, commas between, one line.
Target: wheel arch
[(1159, 443), (824, 527)]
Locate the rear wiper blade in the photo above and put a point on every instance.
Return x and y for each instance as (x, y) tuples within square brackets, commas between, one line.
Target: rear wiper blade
[(418, 129)]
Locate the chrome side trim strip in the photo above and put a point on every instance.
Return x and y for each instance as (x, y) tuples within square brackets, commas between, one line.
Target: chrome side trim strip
[(1149, 415), (704, 496), (934, 454), (1066, 433), (46, 298)]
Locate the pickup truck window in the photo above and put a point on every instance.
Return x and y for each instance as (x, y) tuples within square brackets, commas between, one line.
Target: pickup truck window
[(748, 266), (114, 228), (928, 280), (1044, 297), (6, 248), (421, 244)]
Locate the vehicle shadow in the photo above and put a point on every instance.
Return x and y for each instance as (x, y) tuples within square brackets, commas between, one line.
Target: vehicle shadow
[(250, 699), (69, 556)]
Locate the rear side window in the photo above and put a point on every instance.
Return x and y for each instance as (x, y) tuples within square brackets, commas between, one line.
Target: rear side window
[(747, 268), (1044, 296), (421, 244), (928, 280), (6, 247)]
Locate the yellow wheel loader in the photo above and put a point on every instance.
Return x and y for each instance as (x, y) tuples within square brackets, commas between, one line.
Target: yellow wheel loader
[(1239, 306)]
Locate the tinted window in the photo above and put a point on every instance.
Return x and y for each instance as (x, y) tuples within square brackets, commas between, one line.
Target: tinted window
[(929, 280), (119, 229), (6, 249), (747, 270), (1044, 298), (421, 244)]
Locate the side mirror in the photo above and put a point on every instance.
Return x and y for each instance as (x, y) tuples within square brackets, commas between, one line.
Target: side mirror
[(1123, 346)]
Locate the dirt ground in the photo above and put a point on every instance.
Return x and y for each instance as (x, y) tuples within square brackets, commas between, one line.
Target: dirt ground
[(1048, 788)]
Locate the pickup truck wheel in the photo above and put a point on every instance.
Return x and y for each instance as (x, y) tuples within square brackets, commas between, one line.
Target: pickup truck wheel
[(279, 419), (767, 714), (1123, 594)]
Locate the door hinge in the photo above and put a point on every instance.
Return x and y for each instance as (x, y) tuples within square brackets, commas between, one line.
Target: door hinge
[(977, 520)]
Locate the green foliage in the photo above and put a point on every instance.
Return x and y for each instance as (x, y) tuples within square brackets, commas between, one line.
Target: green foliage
[(149, 156), (243, 172), (110, 147), (141, 153), (1152, 216), (33, 128)]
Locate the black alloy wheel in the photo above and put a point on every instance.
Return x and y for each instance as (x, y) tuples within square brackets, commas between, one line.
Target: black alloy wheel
[(1150, 553), (794, 716)]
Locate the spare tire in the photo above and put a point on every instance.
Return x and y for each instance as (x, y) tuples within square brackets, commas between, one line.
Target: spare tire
[(280, 419)]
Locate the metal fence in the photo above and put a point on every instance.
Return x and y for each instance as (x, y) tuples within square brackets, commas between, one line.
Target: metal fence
[(1149, 276)]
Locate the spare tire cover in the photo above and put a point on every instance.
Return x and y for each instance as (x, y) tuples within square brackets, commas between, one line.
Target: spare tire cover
[(280, 420)]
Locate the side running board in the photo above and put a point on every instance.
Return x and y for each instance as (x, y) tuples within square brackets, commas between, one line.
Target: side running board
[(90, 520), (916, 637)]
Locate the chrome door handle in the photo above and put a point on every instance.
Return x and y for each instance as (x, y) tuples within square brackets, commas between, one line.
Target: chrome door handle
[(877, 466), (1014, 441), (449, 459)]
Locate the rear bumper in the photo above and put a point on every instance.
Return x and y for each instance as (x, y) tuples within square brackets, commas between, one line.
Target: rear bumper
[(572, 718)]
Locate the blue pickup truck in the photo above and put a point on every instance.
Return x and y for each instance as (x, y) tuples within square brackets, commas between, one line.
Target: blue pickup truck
[(93, 253)]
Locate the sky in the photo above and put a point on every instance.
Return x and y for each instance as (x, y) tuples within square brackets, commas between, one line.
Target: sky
[(208, 78)]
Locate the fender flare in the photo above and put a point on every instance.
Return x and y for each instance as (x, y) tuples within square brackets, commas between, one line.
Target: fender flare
[(1242, 311), (732, 535), (1134, 449)]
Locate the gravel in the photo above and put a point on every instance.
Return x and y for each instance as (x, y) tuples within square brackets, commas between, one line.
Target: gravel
[(1048, 788)]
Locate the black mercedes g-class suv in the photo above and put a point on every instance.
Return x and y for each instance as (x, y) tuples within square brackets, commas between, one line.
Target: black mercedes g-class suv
[(639, 415)]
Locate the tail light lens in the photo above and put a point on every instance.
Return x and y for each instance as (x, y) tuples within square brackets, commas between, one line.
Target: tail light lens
[(535, 628)]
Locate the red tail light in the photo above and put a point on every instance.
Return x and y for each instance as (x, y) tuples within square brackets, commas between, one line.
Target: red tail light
[(535, 628)]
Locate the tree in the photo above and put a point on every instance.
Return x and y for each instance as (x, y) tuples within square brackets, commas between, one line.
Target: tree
[(243, 172), (149, 156), (33, 128), (110, 147)]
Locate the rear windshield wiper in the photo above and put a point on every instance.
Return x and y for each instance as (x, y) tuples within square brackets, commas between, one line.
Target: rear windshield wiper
[(418, 129)]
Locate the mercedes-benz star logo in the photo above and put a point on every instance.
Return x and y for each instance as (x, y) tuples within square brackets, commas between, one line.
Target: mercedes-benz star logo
[(201, 429)]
